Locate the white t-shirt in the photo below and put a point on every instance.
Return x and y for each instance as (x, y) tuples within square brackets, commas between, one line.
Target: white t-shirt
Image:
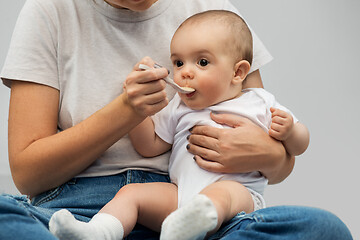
[(86, 48), (172, 124)]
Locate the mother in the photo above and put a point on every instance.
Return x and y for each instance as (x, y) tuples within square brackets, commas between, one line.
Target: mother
[(69, 117)]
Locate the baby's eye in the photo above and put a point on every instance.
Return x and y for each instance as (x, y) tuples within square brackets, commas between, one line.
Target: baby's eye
[(203, 62), (178, 63)]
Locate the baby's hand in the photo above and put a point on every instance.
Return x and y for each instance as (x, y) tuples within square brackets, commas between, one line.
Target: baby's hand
[(281, 124)]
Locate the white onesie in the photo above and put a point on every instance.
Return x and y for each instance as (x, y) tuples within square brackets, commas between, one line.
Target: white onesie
[(172, 124)]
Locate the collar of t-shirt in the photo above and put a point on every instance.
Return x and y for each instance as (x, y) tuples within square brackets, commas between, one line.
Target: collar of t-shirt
[(124, 15)]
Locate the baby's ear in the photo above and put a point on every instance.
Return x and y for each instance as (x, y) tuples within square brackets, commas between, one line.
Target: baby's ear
[(241, 68)]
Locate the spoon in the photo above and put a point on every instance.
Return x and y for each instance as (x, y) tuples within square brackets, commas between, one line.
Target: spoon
[(169, 80)]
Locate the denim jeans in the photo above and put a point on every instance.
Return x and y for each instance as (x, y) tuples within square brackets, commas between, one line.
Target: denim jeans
[(23, 219)]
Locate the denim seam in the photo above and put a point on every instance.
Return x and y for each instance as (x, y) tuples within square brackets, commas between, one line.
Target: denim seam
[(258, 218), (221, 233), (128, 177), (50, 196), (17, 200)]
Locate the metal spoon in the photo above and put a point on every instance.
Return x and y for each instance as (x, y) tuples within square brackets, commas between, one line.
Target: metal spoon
[(169, 80)]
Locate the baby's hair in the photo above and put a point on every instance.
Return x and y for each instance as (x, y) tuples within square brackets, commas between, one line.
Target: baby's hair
[(241, 44)]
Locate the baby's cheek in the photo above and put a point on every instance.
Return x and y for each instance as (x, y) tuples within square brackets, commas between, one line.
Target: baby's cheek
[(208, 87)]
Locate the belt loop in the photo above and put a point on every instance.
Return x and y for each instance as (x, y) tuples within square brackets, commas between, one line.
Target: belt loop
[(128, 176)]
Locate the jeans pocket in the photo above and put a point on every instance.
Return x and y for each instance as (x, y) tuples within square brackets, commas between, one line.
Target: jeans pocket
[(50, 195), (154, 177), (46, 196)]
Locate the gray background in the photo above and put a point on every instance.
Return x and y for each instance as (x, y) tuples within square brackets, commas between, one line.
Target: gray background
[(315, 74)]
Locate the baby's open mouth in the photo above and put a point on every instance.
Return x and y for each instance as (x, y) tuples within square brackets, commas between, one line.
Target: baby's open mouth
[(190, 94)]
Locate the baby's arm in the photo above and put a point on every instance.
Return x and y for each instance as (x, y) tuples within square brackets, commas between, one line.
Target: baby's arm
[(295, 136), (145, 140)]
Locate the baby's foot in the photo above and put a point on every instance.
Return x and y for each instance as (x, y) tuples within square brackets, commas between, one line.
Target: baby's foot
[(102, 226), (192, 221), (64, 226)]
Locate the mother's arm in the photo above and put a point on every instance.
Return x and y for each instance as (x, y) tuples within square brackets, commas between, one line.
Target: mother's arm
[(42, 158), (243, 148)]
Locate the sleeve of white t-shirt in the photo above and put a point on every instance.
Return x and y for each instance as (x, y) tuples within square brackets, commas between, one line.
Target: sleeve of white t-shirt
[(261, 55), (32, 52)]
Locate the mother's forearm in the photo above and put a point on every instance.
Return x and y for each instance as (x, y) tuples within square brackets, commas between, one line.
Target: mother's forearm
[(270, 158), (279, 166), (50, 161)]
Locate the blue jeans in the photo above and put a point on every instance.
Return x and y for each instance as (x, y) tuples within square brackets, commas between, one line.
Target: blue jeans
[(84, 197)]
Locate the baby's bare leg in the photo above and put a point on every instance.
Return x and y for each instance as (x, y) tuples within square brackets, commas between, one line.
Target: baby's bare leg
[(146, 203), (229, 198)]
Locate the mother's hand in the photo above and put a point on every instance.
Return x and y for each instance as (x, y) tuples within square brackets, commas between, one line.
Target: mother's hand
[(144, 90), (243, 148)]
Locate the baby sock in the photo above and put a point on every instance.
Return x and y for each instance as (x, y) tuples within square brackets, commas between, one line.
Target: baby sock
[(192, 221), (102, 226)]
